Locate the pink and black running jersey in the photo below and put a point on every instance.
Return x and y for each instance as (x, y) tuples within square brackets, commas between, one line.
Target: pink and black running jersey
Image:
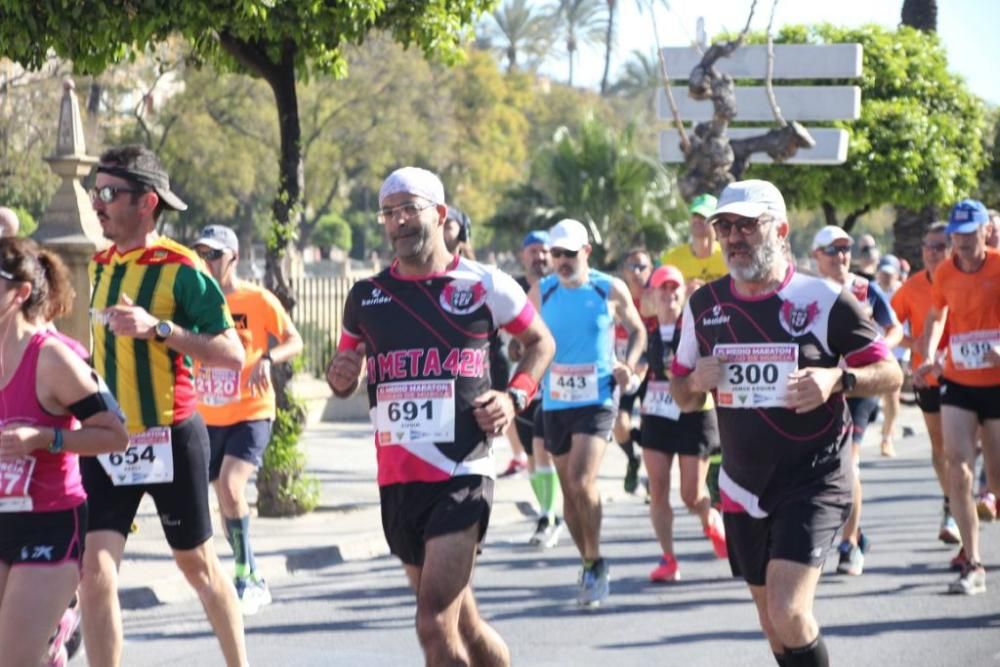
[(769, 451), (51, 481), (427, 343)]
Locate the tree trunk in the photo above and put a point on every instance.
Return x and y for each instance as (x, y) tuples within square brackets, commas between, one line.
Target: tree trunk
[(571, 52), (908, 232), (853, 216), (830, 214), (609, 39), (920, 14)]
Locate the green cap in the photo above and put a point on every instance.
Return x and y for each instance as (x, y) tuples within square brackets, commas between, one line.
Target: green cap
[(703, 205)]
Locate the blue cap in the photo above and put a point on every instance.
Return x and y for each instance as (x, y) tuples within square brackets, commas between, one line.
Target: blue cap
[(535, 237), (966, 216)]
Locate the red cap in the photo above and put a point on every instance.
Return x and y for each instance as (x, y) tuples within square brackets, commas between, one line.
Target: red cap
[(666, 274)]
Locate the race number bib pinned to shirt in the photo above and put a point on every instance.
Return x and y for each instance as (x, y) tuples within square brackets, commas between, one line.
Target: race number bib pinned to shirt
[(573, 383), (15, 478), (968, 350), (418, 411), (149, 459), (658, 401), (755, 376), (217, 386)]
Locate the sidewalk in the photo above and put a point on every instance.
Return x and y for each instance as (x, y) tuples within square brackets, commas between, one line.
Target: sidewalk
[(347, 524)]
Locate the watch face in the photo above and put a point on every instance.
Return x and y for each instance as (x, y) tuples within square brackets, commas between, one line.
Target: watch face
[(163, 329)]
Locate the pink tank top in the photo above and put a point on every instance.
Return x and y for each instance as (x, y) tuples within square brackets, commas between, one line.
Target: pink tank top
[(51, 480)]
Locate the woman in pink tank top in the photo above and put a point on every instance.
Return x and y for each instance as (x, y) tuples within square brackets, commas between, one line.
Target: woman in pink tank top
[(43, 385)]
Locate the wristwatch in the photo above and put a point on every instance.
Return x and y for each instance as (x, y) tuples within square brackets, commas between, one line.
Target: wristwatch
[(519, 397), (56, 445), (267, 355), (848, 381), (163, 330)]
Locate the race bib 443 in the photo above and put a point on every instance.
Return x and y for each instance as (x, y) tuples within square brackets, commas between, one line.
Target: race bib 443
[(573, 383), (755, 376)]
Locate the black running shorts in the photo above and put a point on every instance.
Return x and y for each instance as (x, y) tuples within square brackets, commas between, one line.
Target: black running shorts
[(801, 530), (694, 434), (864, 410), (415, 512), (984, 401), (182, 504), (562, 425), (928, 399), (529, 425), (627, 401), (43, 538)]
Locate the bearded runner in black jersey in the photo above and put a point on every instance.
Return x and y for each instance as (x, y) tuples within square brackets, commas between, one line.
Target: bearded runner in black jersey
[(767, 341), (424, 325)]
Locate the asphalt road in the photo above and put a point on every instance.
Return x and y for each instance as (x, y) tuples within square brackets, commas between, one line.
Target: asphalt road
[(361, 613)]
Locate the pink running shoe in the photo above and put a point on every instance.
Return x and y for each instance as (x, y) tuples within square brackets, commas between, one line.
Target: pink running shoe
[(666, 571), (58, 655), (986, 506), (717, 533)]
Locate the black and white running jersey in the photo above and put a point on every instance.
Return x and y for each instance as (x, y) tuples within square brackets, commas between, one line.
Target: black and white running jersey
[(769, 451), (427, 342)]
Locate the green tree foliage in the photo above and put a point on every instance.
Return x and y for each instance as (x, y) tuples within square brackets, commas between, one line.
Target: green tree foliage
[(332, 231), (582, 24), (519, 31), (919, 140), (596, 176)]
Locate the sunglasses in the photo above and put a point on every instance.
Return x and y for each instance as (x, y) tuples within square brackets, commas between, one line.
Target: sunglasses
[(211, 254), (559, 252), (7, 275), (746, 226), (405, 211), (834, 250), (108, 193), (637, 267), (936, 247)]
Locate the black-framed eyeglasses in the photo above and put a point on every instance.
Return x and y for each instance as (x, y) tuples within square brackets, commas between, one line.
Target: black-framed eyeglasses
[(637, 267), (211, 254), (108, 193), (562, 252), (746, 226), (406, 211), (834, 250), (936, 247), (866, 249)]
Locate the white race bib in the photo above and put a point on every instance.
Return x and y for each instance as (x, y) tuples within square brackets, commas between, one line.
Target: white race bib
[(755, 376), (573, 383), (149, 459), (417, 411), (15, 479), (968, 350), (217, 386), (658, 401)]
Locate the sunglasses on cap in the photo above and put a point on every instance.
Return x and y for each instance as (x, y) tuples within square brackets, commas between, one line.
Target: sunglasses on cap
[(834, 250), (561, 252)]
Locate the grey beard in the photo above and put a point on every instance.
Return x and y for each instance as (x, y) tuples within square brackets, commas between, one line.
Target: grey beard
[(760, 263)]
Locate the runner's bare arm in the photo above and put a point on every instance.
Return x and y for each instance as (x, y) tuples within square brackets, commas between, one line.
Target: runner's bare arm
[(537, 349), (627, 315), (893, 335), (344, 372), (933, 330), (689, 391), (809, 388), (63, 380), (289, 348)]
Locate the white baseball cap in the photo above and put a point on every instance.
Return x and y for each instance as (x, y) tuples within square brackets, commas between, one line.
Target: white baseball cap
[(751, 199), (568, 234), (828, 235), (218, 237)]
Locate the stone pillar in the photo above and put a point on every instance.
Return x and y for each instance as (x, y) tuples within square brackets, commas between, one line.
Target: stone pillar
[(69, 226)]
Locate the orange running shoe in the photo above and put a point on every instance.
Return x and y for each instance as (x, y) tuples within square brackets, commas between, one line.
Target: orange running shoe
[(666, 571), (717, 533)]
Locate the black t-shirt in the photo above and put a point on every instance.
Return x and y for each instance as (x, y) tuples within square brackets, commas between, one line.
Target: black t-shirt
[(427, 341), (770, 451)]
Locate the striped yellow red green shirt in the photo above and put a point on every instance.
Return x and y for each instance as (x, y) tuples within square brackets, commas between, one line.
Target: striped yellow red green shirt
[(153, 383)]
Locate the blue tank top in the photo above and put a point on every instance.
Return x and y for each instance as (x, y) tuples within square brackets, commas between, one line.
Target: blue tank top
[(581, 323)]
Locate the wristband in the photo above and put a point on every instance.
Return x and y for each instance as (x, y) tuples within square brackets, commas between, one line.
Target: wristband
[(525, 383), (267, 355), (57, 441)]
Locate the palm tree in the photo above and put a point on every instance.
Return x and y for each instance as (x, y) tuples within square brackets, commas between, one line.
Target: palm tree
[(609, 39), (583, 25), (641, 75), (517, 29)]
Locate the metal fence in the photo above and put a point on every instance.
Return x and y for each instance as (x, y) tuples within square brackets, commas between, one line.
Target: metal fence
[(317, 315)]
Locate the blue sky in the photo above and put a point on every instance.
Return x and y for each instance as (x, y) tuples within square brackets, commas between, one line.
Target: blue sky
[(969, 30)]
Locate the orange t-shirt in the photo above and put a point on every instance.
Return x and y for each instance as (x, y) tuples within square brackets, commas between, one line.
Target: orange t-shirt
[(224, 397), (973, 301), (912, 302)]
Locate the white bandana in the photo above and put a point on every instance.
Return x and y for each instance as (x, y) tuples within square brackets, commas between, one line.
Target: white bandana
[(414, 181)]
